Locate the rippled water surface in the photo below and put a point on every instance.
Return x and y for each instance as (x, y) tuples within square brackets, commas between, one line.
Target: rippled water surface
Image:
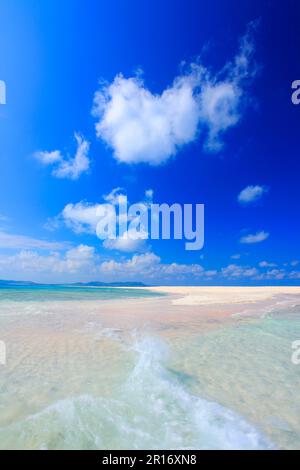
[(86, 372)]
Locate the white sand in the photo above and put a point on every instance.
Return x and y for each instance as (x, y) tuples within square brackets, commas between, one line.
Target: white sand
[(195, 295)]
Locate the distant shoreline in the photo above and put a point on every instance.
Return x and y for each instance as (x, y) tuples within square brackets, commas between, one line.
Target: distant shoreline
[(184, 295)]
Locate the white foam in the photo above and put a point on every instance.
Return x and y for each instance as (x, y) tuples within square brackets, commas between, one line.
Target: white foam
[(151, 410)]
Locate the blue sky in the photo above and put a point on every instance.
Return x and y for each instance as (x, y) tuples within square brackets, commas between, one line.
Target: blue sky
[(191, 100)]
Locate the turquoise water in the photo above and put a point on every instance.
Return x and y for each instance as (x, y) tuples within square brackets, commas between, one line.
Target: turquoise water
[(247, 367), (150, 409), (142, 373), (45, 293)]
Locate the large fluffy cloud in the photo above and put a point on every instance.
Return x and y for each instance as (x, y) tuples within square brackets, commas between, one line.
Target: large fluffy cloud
[(141, 126), (67, 167)]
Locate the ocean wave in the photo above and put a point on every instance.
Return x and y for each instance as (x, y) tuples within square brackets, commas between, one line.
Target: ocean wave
[(151, 410)]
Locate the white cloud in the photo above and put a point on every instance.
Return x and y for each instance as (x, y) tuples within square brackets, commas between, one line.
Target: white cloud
[(69, 167), (83, 263), (149, 266), (266, 264), (144, 127), (255, 238), (79, 258), (235, 271), (251, 194), (275, 274), (219, 111), (115, 197), (127, 242), (83, 217), (295, 275), (182, 269), (131, 240), (28, 264), (237, 256), (48, 158), (138, 264), (149, 194), (12, 241)]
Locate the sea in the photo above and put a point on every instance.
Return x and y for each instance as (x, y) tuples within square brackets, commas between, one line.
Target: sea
[(123, 368)]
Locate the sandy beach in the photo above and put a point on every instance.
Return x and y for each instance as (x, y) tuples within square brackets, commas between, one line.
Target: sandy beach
[(196, 295), (192, 367)]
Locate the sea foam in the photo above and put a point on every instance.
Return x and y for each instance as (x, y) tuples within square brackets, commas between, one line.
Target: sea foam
[(150, 410)]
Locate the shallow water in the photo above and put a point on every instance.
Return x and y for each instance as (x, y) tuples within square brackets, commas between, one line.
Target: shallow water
[(145, 374), (50, 293)]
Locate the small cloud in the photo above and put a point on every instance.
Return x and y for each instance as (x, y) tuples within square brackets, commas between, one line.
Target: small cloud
[(116, 196), (273, 274), (149, 194), (52, 223), (266, 264), (255, 238), (237, 256), (236, 271), (294, 275), (252, 194), (48, 158), (69, 167), (295, 262)]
